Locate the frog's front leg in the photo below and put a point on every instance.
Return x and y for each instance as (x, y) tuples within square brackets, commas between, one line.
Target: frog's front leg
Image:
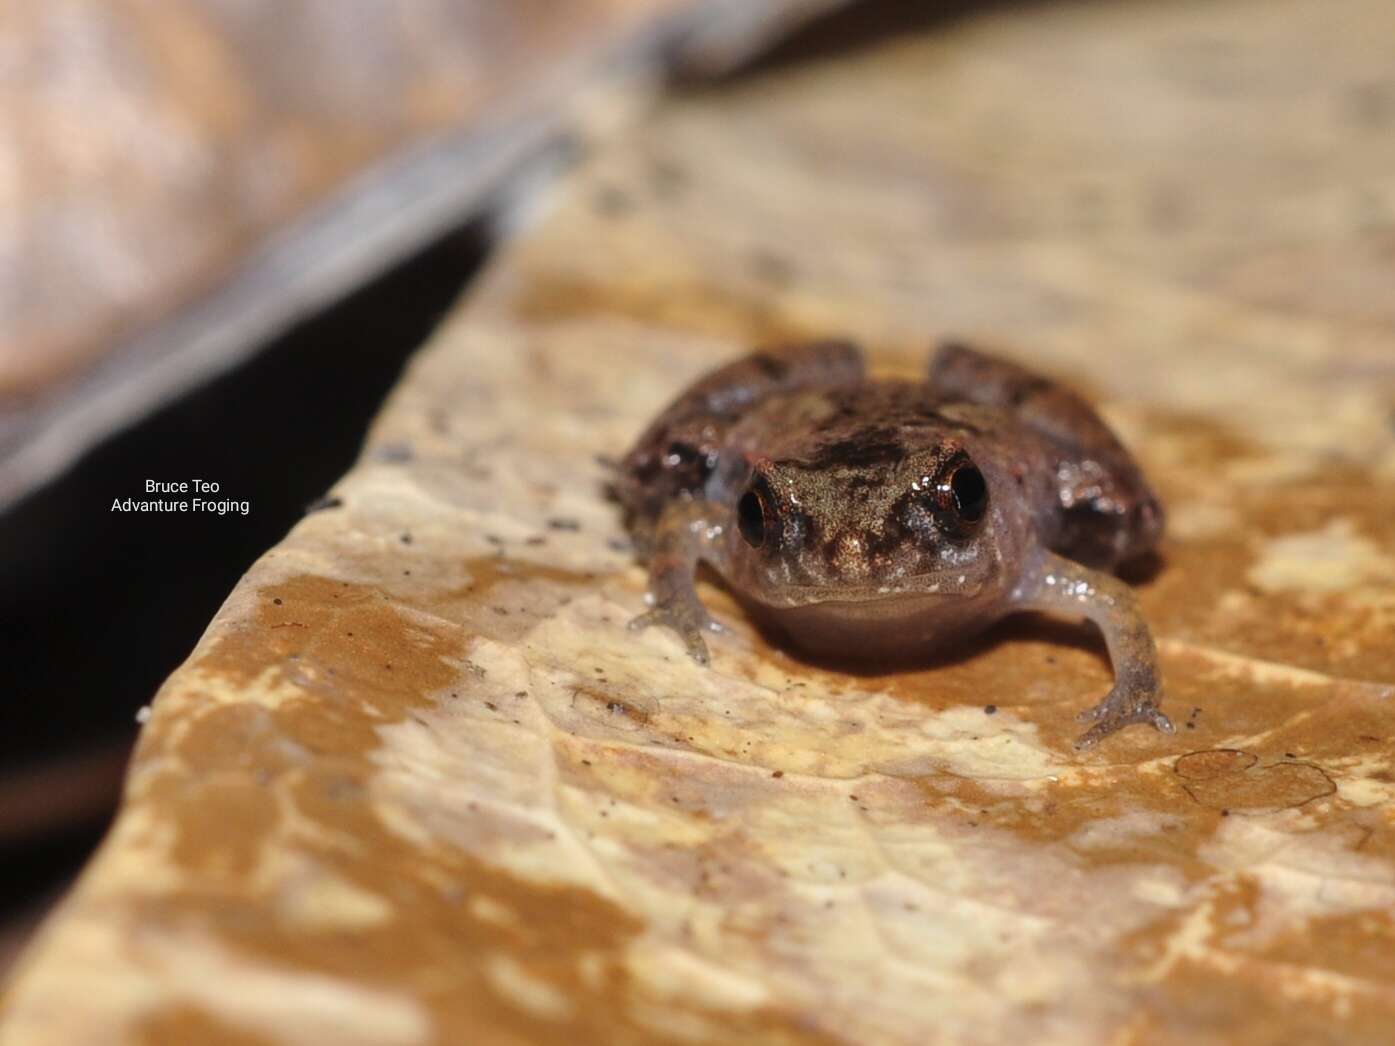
[(1054, 583), (685, 534)]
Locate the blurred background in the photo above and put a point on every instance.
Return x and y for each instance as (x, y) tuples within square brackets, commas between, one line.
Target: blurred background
[(224, 227)]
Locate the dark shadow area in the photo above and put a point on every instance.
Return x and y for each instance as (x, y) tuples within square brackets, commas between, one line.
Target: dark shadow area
[(98, 606)]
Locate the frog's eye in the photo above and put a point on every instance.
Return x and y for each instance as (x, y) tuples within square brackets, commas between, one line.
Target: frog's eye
[(970, 493), (962, 497), (752, 516)]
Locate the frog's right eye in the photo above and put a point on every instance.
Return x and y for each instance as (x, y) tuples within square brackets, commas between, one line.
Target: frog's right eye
[(753, 518)]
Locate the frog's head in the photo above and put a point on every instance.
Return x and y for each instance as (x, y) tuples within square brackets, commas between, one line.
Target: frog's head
[(870, 519)]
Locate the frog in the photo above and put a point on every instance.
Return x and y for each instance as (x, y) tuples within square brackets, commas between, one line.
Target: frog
[(877, 518)]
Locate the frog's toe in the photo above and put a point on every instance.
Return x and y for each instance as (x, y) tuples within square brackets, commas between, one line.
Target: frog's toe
[(1095, 735), (1120, 709), (688, 623), (697, 648)]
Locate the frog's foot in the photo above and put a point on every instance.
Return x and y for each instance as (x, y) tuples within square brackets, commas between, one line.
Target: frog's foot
[(686, 616), (1123, 707)]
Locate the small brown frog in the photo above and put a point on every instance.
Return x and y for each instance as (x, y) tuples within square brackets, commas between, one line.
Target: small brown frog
[(874, 518)]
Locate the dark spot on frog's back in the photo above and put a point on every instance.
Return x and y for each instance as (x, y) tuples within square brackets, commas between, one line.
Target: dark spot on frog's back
[(880, 446), (862, 483), (772, 367), (1026, 390)]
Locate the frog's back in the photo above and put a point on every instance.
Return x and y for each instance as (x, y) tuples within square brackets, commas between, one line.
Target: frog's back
[(814, 403)]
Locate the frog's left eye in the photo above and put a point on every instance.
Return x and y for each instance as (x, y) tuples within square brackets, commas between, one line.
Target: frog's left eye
[(970, 492)]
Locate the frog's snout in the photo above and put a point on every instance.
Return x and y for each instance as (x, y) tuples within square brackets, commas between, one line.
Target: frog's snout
[(847, 556)]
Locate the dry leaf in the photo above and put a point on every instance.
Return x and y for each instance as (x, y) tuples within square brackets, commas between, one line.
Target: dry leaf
[(419, 781)]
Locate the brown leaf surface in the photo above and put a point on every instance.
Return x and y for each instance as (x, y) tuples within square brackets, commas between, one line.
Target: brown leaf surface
[(418, 780)]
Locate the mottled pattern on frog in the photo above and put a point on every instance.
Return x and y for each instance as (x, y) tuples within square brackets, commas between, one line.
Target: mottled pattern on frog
[(880, 518)]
